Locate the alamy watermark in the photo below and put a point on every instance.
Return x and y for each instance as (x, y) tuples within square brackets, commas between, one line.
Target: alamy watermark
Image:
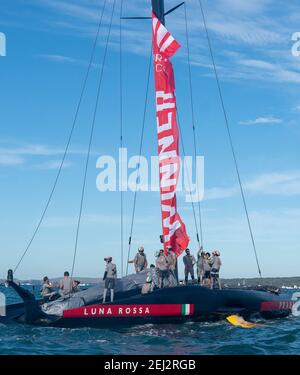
[(296, 45), (2, 45), (137, 173), (2, 304)]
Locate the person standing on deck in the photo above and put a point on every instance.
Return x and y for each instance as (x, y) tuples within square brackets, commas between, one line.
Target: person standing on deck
[(215, 269), (109, 278), (207, 269), (172, 260), (140, 260), (200, 265), (162, 266), (189, 262)]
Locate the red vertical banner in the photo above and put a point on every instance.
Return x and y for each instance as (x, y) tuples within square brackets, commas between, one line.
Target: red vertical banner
[(164, 47)]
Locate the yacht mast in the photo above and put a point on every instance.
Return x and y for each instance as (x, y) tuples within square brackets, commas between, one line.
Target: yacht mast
[(158, 7)]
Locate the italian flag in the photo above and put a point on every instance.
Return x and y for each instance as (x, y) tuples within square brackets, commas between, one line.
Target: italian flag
[(187, 309)]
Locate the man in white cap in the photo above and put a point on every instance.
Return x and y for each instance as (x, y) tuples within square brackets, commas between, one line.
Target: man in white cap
[(140, 260), (109, 278), (215, 269)]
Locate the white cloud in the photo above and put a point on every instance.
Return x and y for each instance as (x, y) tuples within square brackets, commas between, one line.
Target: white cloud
[(36, 150), (67, 60), (248, 7), (274, 183), (244, 32), (10, 160), (59, 58), (86, 12), (243, 26), (220, 193), (262, 120), (89, 219), (52, 164), (247, 29), (262, 70), (31, 150), (283, 183), (12, 154), (257, 64), (236, 21)]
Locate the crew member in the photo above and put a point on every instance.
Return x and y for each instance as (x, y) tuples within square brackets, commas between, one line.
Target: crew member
[(109, 277), (215, 269), (47, 291), (207, 269), (200, 265), (171, 257), (189, 262), (65, 285), (162, 266), (76, 286), (140, 260), (147, 287)]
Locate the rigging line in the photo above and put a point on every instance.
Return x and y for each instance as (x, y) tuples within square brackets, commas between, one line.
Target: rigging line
[(230, 138), (91, 139), (68, 141), (121, 144), (193, 115), (188, 176), (140, 152)]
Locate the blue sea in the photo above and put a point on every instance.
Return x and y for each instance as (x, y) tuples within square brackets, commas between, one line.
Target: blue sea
[(275, 337)]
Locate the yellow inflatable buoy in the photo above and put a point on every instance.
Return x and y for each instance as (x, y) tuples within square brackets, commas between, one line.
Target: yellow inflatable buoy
[(239, 321)]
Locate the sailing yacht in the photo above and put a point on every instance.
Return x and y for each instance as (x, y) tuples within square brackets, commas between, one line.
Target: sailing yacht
[(176, 304)]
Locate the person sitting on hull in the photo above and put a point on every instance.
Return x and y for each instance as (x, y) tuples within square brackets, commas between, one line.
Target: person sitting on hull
[(66, 285), (47, 291), (76, 286), (140, 260), (189, 262), (200, 265), (162, 266), (109, 278), (147, 287), (215, 269), (155, 277)]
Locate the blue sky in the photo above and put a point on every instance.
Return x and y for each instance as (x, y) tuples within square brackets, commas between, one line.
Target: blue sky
[(48, 47)]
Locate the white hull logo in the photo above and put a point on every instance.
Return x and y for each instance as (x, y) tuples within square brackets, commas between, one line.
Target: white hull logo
[(122, 311), (296, 305), (2, 305)]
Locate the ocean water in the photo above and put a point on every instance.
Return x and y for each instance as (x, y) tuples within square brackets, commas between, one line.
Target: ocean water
[(275, 337)]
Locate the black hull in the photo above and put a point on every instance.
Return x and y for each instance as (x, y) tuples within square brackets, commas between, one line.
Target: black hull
[(172, 306)]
